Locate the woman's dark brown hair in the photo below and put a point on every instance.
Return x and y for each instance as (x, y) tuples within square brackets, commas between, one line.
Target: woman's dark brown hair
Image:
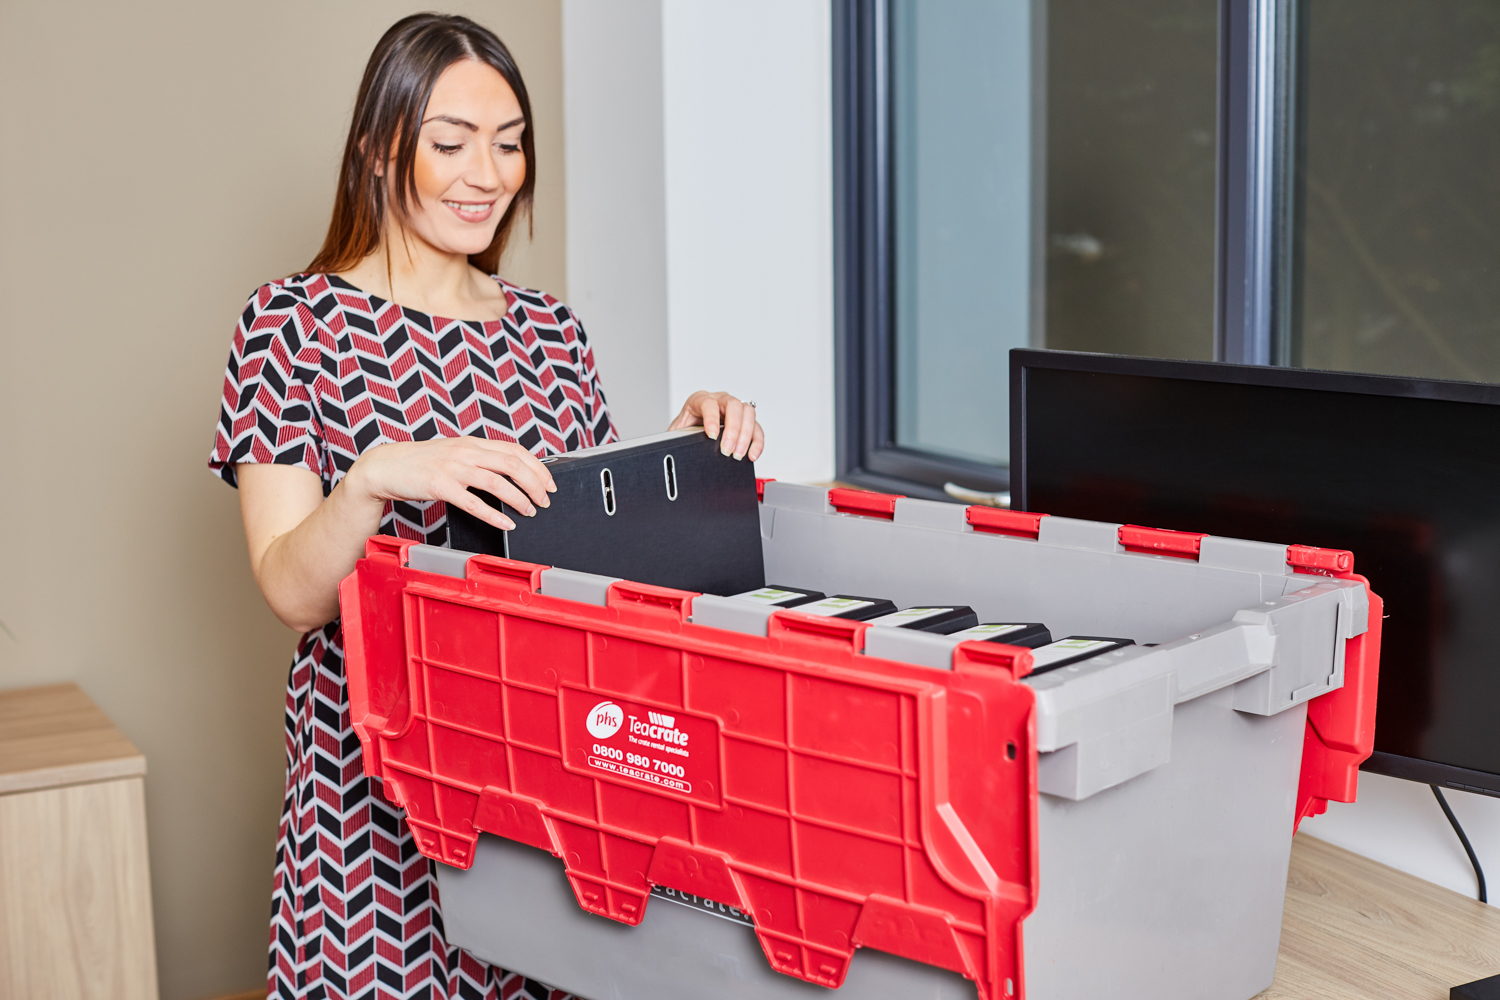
[(388, 114)]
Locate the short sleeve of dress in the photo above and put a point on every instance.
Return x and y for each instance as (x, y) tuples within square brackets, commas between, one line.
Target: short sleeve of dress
[(601, 429), (266, 414)]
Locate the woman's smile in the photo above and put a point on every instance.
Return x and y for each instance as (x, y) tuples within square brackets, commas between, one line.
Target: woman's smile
[(471, 211)]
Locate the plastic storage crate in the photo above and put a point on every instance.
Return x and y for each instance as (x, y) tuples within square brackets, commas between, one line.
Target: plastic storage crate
[(806, 787)]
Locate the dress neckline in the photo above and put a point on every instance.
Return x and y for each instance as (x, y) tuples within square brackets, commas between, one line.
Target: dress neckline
[(510, 301)]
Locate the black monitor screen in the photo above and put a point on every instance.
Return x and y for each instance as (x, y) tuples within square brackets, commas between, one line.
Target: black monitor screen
[(1404, 473)]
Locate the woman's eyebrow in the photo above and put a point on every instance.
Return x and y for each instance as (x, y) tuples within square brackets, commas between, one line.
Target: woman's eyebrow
[(453, 121), (449, 119)]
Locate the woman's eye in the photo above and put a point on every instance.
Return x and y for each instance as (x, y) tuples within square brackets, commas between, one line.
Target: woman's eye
[(446, 150), (508, 148)]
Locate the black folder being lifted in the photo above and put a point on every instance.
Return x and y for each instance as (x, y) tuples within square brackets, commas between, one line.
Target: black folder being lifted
[(668, 510)]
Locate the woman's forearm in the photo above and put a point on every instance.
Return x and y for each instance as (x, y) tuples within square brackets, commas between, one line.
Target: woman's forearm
[(300, 561)]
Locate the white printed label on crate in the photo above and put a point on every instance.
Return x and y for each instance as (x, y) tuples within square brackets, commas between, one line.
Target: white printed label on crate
[(662, 749), (899, 618), (988, 631), (770, 595), (831, 606), (1066, 649)]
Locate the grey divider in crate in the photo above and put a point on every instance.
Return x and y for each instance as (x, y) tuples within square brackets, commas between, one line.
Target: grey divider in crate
[(1243, 554), (586, 588), (909, 646), (435, 559), (733, 613), (1169, 773)]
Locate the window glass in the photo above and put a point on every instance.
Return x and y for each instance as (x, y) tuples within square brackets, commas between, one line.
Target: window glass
[(1400, 188), (1131, 203), (961, 228), (1126, 206)]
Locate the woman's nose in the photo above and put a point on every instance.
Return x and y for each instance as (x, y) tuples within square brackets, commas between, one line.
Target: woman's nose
[(485, 173)]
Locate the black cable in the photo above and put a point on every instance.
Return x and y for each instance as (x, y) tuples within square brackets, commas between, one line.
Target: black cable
[(1462, 839)]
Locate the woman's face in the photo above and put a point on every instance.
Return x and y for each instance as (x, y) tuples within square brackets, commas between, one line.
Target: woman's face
[(469, 163)]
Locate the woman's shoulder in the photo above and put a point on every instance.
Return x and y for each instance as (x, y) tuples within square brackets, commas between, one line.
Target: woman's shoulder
[(285, 294)]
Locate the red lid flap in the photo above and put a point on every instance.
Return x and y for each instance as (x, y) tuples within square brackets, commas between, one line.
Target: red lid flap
[(848, 501), (1161, 541), (999, 521), (1330, 562)]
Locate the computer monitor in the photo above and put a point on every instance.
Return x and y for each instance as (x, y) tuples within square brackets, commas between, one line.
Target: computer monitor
[(1403, 472)]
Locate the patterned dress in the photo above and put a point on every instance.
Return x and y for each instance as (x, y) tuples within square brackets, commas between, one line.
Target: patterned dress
[(320, 372)]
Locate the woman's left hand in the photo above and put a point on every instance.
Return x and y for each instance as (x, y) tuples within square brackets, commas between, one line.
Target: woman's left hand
[(726, 419)]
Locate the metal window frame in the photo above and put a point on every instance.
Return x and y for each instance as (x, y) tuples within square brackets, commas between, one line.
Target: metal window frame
[(1256, 272), (866, 448)]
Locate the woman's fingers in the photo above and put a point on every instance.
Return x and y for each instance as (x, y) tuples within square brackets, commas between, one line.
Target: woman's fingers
[(503, 488), (725, 419), (731, 422), (745, 432), (456, 494), (709, 410), (757, 443), (520, 466)]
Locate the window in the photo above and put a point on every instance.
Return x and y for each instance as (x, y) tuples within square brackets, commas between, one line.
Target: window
[(1400, 189), (1299, 182)]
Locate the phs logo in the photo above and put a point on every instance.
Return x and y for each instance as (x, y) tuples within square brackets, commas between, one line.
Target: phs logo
[(605, 719)]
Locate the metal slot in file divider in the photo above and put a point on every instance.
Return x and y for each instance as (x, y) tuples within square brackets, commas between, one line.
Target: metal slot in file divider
[(607, 483), (669, 469)]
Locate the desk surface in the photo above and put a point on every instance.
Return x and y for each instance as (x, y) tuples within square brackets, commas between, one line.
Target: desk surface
[(1355, 929), (54, 735)]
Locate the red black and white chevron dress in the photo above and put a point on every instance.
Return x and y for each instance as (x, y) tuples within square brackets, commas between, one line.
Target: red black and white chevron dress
[(319, 373)]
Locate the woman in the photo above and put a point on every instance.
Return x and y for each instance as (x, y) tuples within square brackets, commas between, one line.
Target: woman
[(354, 404)]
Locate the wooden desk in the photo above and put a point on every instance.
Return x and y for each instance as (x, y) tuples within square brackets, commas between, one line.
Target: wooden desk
[(1355, 929), (75, 893)]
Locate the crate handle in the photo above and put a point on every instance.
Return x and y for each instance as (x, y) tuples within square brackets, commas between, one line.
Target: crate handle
[(839, 630), (1016, 523), (850, 501), (385, 545), (643, 596), (529, 575), (1014, 660)]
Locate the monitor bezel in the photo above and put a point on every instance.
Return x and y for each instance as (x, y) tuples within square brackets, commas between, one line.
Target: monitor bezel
[(1025, 359)]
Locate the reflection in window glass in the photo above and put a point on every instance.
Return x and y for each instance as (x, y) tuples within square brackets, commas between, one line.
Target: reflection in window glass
[(961, 144), (1400, 254), (1131, 134)]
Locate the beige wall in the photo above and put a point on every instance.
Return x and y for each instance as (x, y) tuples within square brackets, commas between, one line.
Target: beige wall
[(160, 160)]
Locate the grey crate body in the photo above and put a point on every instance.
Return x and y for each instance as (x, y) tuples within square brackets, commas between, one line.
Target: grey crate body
[(1169, 774)]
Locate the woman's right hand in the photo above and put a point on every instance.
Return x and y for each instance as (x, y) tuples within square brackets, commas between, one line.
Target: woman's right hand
[(444, 469)]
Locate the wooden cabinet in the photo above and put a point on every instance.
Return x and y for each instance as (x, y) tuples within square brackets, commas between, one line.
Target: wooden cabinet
[(75, 892)]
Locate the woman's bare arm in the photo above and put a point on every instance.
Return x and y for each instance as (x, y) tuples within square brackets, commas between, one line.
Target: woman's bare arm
[(302, 545)]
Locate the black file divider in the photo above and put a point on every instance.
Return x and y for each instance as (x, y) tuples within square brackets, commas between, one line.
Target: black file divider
[(668, 510)]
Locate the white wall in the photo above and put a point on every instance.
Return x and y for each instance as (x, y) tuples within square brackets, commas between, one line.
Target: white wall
[(617, 263), (700, 211), (1399, 823), (749, 174)]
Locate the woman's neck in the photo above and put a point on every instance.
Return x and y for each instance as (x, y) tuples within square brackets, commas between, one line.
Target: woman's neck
[(412, 272)]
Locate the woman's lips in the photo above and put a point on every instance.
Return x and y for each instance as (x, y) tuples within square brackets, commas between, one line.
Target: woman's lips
[(471, 211)]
